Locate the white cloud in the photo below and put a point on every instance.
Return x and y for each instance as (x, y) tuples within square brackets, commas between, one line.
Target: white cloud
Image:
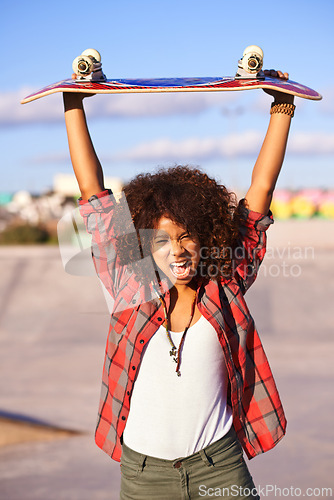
[(50, 109), (313, 143), (50, 158), (161, 104), (14, 113), (195, 149), (243, 144)]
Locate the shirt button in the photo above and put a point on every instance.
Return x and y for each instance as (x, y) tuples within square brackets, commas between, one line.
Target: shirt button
[(141, 341), (128, 393), (159, 318), (133, 367), (123, 418), (178, 464)]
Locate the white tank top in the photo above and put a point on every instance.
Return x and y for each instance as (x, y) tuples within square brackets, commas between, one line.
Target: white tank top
[(171, 416)]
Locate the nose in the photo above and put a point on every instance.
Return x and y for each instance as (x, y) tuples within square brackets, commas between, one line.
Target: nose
[(176, 247)]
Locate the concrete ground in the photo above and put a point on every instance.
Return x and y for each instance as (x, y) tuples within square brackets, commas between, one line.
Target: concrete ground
[(53, 330)]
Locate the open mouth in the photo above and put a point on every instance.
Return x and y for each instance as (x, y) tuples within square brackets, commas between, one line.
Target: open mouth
[(180, 270)]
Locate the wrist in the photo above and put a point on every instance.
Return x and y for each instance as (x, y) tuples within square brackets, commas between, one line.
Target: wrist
[(282, 108)]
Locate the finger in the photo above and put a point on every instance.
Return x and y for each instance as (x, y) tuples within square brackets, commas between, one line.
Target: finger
[(276, 74), (74, 76), (270, 72), (282, 75)]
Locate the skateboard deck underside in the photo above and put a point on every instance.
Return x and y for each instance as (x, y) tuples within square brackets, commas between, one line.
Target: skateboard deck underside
[(123, 86)]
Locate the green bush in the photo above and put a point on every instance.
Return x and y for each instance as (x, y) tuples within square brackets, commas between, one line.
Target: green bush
[(22, 234)]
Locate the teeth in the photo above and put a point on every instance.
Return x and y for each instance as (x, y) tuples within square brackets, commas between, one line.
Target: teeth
[(180, 270)]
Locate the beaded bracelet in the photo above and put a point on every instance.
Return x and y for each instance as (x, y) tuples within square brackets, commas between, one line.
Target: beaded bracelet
[(283, 107)]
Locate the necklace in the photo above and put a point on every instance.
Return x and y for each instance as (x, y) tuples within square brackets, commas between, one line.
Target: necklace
[(174, 352)]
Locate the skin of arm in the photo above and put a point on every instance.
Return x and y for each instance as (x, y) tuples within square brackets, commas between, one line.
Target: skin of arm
[(86, 165), (269, 162)]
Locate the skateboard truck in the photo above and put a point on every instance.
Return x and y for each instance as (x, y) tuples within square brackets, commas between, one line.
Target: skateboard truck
[(88, 66), (250, 65), (90, 79)]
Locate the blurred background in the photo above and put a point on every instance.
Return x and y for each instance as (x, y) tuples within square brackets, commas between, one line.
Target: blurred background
[(53, 325)]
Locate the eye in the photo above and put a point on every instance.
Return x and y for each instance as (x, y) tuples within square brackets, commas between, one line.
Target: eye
[(160, 241), (186, 236)]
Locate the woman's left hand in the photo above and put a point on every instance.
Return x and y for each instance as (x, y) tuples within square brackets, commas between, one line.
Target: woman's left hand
[(278, 96)]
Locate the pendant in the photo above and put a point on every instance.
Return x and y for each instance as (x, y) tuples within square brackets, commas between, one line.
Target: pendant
[(173, 353)]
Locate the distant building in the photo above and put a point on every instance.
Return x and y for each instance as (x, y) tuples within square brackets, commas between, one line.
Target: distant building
[(5, 198), (66, 184)]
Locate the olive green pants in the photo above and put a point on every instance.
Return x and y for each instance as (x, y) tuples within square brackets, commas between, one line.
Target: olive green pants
[(218, 470)]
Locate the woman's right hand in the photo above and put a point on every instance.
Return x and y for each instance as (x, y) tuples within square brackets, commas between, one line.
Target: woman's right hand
[(74, 99), (85, 162)]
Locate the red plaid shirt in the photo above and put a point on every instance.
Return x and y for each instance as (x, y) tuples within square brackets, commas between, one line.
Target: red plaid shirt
[(258, 416)]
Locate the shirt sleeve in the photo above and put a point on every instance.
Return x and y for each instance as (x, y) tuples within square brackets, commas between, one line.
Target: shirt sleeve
[(111, 226), (98, 213), (251, 247)]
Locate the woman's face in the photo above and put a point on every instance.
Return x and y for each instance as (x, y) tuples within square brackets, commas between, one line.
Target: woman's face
[(175, 251)]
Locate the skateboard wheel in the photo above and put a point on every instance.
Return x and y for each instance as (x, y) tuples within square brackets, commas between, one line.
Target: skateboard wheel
[(83, 65), (92, 53), (252, 59)]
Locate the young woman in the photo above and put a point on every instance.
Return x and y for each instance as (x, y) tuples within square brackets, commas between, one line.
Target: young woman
[(186, 384)]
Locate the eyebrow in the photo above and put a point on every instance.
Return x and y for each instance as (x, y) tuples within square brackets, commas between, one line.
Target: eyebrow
[(161, 233)]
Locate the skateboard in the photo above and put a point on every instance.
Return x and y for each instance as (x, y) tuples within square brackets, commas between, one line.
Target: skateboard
[(91, 80)]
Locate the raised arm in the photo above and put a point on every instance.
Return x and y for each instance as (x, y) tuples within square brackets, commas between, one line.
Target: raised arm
[(271, 156), (86, 165)]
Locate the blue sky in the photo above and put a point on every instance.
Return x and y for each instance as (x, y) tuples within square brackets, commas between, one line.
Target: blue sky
[(221, 132)]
